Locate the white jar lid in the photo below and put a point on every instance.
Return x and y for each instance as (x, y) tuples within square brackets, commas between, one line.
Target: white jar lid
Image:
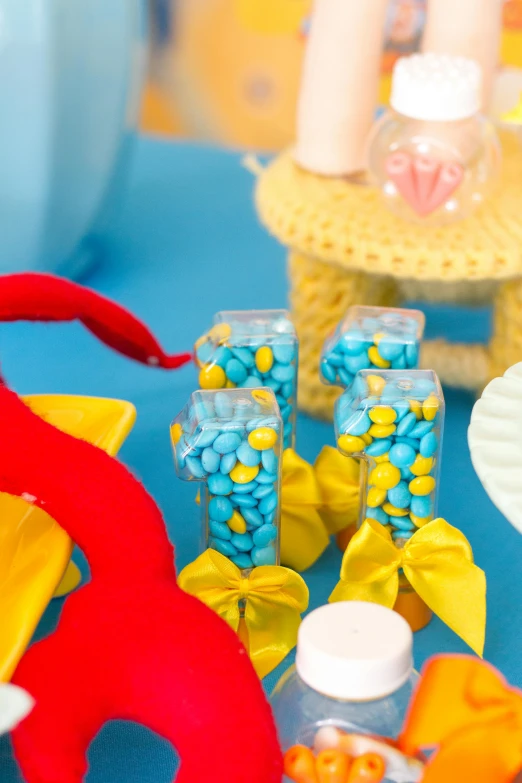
[(436, 87), (354, 650)]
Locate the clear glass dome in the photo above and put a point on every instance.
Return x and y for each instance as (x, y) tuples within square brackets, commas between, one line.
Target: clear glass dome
[(433, 172)]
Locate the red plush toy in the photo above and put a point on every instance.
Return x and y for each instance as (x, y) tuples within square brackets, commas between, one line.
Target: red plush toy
[(130, 644)]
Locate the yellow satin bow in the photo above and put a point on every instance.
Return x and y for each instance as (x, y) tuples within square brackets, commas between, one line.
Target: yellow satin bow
[(274, 597), (303, 534), (338, 478), (438, 563)]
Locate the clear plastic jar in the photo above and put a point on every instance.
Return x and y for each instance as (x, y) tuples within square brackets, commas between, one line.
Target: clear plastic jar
[(372, 338), (250, 348), (350, 686), (232, 441), (434, 156)]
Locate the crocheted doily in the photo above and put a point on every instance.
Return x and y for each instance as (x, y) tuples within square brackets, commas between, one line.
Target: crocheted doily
[(340, 222)]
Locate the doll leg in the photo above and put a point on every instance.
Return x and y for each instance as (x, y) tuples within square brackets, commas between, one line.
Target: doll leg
[(469, 28), (320, 296)]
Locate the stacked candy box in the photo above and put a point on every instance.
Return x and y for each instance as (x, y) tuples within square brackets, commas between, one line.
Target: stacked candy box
[(232, 441), (252, 348), (394, 419), (379, 338)]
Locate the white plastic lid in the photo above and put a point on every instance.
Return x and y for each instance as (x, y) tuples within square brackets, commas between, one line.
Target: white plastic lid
[(354, 650), (436, 87)]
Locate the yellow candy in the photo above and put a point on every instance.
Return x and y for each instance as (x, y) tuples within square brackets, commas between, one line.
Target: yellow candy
[(264, 359), (376, 384), (422, 465), (382, 415), (422, 485), (176, 431), (390, 509), (430, 407), (212, 376), (230, 384), (262, 438), (262, 396), (385, 476), (220, 333), (382, 430), (376, 497), (378, 337), (420, 521), (366, 438), (242, 474), (382, 458), (376, 358), (350, 443), (416, 408), (237, 523)]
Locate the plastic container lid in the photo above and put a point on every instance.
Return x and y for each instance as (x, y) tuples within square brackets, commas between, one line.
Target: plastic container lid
[(354, 650), (436, 87)]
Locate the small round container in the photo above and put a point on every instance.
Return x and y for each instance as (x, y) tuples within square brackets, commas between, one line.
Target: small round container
[(433, 155), (353, 677)]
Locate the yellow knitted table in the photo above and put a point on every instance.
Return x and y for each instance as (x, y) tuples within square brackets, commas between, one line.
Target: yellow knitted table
[(346, 248)]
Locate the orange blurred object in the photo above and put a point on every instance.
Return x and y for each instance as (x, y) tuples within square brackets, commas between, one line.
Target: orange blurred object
[(332, 766), (369, 768), (300, 765), (411, 606), (344, 537)]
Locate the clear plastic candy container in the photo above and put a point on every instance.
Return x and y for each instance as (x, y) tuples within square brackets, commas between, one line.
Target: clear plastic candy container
[(394, 420), (251, 348), (372, 338), (349, 689), (433, 155), (231, 441)]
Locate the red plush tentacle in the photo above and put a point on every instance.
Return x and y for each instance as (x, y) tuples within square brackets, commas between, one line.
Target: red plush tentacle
[(34, 296), (130, 644)]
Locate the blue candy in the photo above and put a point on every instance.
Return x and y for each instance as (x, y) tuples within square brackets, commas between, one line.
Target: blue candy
[(272, 384), (263, 477), (328, 371), (378, 514), (250, 383), (219, 530), (389, 349), (345, 377), (358, 424), (264, 535), (223, 406), (353, 342), (220, 509), (284, 353), (235, 371), (287, 390), (268, 504), (406, 474), (407, 424), (228, 461), (227, 442), (218, 484), (399, 363), (206, 437), (403, 523), (269, 460), (252, 516), (400, 496), (428, 446), (421, 506), (355, 363), (210, 460), (245, 489), (225, 547), (221, 356), (412, 354), (401, 455), (263, 556), (270, 518), (262, 491), (204, 352), (421, 428), (247, 455), (245, 356), (242, 541), (414, 444), (378, 447), (401, 408), (334, 358), (283, 372), (195, 467), (243, 560), (245, 501)]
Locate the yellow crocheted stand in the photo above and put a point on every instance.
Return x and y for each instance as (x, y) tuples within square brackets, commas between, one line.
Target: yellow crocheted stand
[(347, 248)]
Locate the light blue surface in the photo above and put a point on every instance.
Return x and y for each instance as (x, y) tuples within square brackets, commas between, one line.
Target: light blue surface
[(187, 245), (70, 78)]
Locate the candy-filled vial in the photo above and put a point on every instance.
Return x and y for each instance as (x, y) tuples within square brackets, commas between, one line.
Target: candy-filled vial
[(372, 338), (246, 349), (232, 441), (394, 420)]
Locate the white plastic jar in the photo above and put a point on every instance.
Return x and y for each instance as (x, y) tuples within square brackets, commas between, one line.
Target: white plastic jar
[(353, 677), (433, 155)]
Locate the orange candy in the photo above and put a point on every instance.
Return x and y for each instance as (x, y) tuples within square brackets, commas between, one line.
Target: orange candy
[(300, 765), (332, 766), (368, 768)]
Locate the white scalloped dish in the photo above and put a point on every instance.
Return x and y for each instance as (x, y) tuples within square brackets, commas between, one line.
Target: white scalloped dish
[(15, 705), (495, 442)]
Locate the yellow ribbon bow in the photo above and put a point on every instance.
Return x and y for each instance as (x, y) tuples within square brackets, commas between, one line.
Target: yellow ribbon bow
[(338, 478), (274, 599), (438, 563), (303, 534)]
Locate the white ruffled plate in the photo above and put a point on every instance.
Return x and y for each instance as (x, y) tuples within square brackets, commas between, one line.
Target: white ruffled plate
[(495, 442), (15, 705)]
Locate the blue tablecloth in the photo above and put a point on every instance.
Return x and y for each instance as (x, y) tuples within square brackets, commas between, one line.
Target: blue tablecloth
[(186, 245)]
